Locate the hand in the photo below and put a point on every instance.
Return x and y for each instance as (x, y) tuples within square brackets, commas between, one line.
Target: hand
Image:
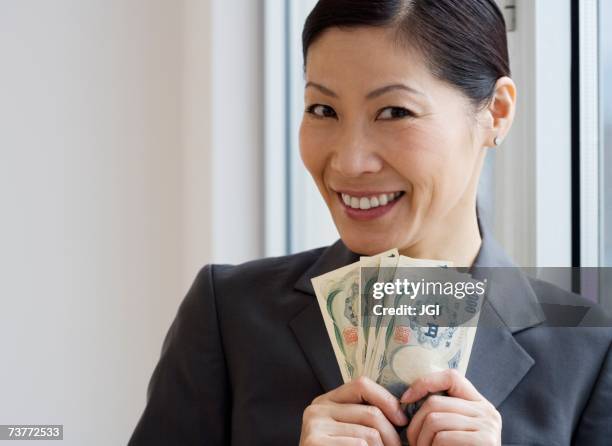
[(341, 418), (463, 417)]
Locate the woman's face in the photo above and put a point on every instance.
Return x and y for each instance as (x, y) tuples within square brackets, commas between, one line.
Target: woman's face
[(395, 153)]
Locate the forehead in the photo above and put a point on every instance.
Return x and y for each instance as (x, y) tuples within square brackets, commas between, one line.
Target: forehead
[(364, 56)]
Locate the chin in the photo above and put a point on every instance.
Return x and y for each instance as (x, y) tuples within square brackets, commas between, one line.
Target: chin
[(368, 246)]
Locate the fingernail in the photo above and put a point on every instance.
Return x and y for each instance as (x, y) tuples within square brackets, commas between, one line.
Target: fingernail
[(406, 396)]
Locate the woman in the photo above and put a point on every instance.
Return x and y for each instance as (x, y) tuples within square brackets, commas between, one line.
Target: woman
[(402, 101)]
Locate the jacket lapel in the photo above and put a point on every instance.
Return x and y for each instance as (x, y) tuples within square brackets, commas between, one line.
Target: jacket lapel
[(498, 362), (310, 332), (308, 325)]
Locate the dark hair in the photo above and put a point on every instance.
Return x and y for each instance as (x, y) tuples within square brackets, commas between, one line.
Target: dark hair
[(464, 41)]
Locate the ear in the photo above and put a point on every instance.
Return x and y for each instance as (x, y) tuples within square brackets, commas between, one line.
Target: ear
[(500, 112)]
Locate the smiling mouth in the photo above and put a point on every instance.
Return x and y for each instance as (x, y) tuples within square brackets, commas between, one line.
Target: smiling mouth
[(371, 201)]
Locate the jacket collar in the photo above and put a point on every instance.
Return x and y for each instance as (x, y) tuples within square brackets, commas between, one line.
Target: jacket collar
[(333, 257), (498, 362), (511, 294)]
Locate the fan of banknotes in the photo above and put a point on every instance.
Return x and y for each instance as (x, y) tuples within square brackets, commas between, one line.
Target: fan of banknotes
[(371, 336)]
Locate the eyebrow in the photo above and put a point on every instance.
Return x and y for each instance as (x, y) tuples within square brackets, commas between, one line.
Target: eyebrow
[(371, 95)]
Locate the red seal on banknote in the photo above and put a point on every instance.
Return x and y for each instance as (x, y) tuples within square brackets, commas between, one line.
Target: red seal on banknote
[(402, 335), (350, 335)]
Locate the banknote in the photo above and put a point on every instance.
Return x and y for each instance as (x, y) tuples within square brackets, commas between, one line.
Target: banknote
[(369, 274), (414, 346), (395, 349), (389, 275), (339, 297), (386, 272)]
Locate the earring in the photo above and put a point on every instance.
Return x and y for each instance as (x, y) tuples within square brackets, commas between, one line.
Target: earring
[(497, 141)]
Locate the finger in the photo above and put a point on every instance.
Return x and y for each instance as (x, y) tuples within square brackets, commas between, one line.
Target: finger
[(455, 438), (371, 436), (344, 441), (365, 415), (449, 381), (326, 428), (364, 390), (438, 403), (437, 422)]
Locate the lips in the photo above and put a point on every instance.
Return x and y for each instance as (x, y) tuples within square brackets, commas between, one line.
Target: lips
[(364, 206)]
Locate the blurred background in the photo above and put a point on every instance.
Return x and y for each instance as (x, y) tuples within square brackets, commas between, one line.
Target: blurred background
[(142, 139)]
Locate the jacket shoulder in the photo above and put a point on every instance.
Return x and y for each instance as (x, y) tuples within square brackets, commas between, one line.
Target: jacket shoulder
[(258, 280), (564, 308), (267, 267), (549, 292)]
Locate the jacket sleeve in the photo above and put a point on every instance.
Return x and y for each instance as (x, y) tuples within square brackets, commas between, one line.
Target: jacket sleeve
[(595, 425), (188, 396)]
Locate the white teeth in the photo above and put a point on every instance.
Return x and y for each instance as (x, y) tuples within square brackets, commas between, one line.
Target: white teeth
[(369, 202)]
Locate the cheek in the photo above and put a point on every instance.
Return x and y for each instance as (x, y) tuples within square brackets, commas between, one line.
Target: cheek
[(435, 161), (418, 154), (312, 150)]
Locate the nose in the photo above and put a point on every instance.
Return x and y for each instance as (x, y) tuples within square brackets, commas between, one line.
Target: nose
[(355, 155)]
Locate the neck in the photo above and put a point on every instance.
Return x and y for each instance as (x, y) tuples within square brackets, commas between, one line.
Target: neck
[(455, 237), (459, 244)]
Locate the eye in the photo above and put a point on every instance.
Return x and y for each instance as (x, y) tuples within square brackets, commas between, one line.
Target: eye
[(394, 113), (321, 111)]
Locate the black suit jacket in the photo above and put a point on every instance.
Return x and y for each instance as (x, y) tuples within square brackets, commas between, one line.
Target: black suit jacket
[(248, 351)]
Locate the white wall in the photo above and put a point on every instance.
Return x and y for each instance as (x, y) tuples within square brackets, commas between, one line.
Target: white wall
[(111, 123), (237, 117), (197, 128)]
